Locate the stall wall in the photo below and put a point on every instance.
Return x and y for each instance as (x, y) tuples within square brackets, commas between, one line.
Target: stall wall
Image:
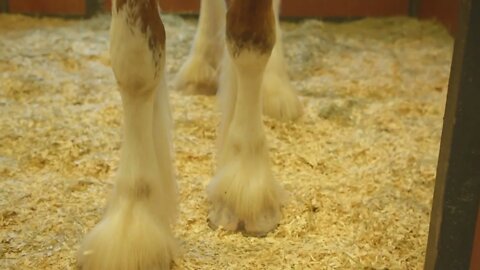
[(445, 11), (51, 7), (310, 8), (64, 7)]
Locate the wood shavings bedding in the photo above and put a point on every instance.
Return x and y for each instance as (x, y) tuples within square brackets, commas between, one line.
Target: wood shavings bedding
[(359, 166)]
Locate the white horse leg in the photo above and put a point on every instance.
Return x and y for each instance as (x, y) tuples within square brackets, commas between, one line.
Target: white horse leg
[(135, 230), (243, 193), (279, 98), (199, 74)]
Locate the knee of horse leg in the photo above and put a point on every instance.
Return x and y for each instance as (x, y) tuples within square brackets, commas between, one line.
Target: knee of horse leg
[(138, 68), (137, 46)]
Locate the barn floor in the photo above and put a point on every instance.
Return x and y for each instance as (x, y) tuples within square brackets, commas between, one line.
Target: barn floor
[(359, 166)]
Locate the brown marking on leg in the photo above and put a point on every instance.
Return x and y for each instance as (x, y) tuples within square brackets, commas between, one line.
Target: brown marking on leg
[(146, 13), (251, 26), (142, 190), (139, 189)]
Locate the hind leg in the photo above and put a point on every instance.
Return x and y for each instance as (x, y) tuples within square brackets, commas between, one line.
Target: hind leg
[(199, 74), (280, 100)]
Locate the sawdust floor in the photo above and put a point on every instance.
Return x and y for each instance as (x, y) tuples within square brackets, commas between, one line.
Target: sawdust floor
[(359, 165)]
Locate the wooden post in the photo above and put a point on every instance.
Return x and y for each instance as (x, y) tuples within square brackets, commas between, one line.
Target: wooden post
[(413, 6), (93, 6), (476, 246), (457, 189), (3, 6)]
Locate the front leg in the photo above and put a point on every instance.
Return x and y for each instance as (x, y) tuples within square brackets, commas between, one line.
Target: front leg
[(243, 193), (135, 230)]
